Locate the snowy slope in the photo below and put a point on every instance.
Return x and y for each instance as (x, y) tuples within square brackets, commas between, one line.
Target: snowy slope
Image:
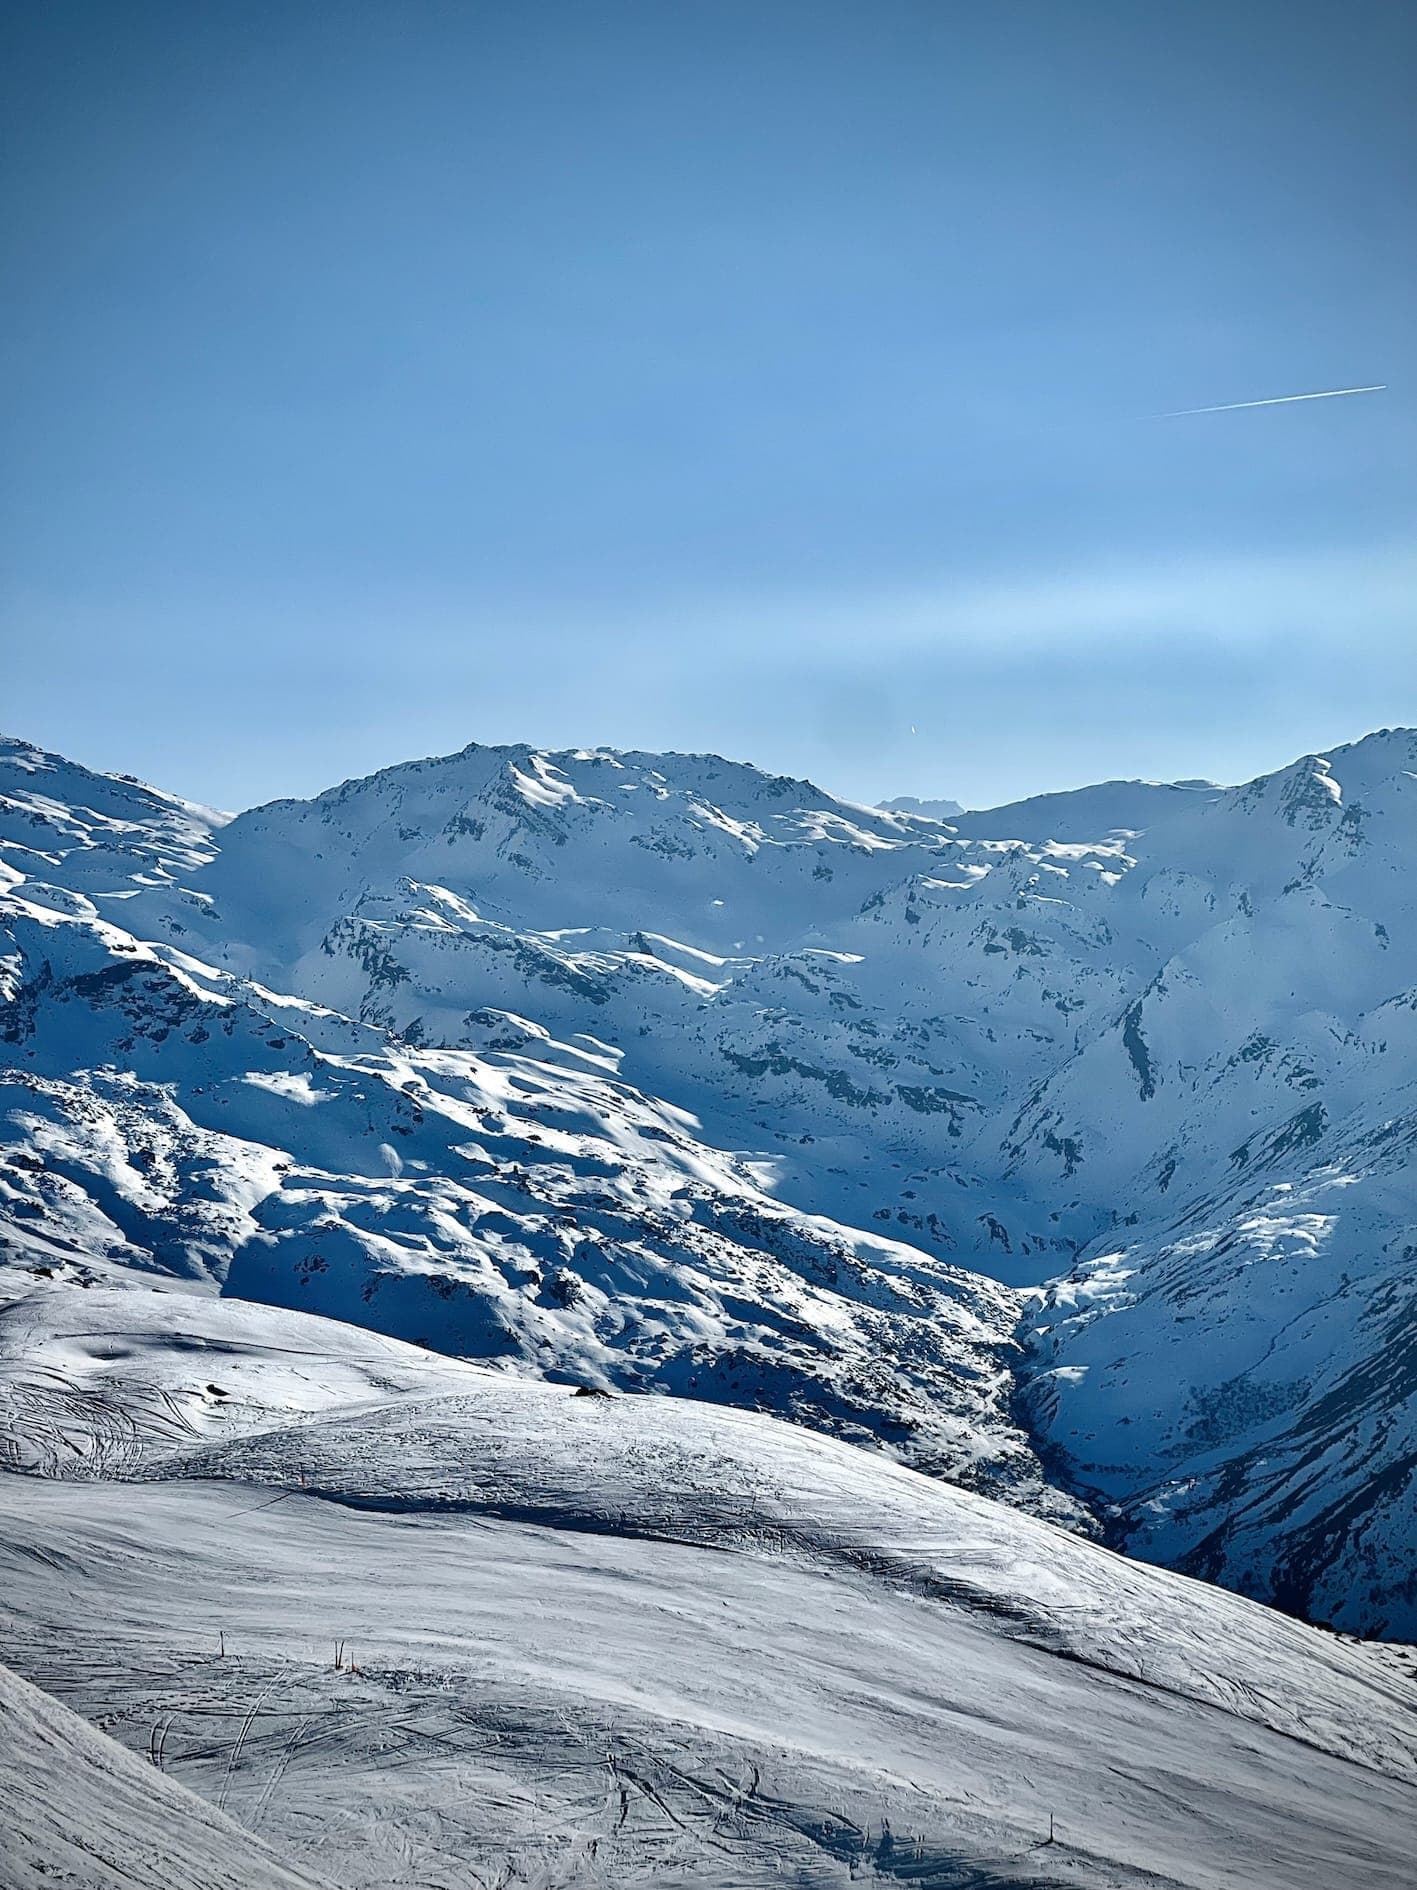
[(1235, 1386), (1107, 810), (83, 1812), (658, 1071), (466, 1627)]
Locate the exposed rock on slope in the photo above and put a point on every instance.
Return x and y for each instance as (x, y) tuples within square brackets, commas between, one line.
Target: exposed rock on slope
[(657, 1070)]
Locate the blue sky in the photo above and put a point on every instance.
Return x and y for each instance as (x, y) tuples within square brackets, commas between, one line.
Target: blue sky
[(770, 378)]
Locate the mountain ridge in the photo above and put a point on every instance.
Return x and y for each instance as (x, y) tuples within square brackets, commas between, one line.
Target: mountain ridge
[(955, 1066)]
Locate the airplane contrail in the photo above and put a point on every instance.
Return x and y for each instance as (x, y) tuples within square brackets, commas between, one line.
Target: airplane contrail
[(1276, 400)]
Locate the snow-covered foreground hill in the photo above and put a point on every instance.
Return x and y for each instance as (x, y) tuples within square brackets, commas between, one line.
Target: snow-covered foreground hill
[(82, 1811), (662, 1073), (411, 1621)]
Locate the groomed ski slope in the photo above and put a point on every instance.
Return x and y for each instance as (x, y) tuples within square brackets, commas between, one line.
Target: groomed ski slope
[(626, 1641)]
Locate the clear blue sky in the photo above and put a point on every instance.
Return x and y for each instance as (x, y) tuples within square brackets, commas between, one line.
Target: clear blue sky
[(762, 377)]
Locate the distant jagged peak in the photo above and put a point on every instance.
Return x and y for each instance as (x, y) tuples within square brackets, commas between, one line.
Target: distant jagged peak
[(1305, 793), (476, 763), (923, 810), (17, 753), (50, 776), (450, 795), (1381, 751), (1337, 777), (1310, 791), (1337, 797)]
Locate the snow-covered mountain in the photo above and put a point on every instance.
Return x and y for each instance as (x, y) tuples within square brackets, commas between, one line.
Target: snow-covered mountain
[(930, 809), (1090, 1114), (1107, 810), (181, 1097)]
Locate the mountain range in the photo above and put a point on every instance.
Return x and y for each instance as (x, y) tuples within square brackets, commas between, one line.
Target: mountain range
[(1058, 1151)]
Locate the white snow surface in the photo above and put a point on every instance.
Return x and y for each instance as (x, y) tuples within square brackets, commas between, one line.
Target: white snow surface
[(661, 1073), (412, 1621), (82, 1811)]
